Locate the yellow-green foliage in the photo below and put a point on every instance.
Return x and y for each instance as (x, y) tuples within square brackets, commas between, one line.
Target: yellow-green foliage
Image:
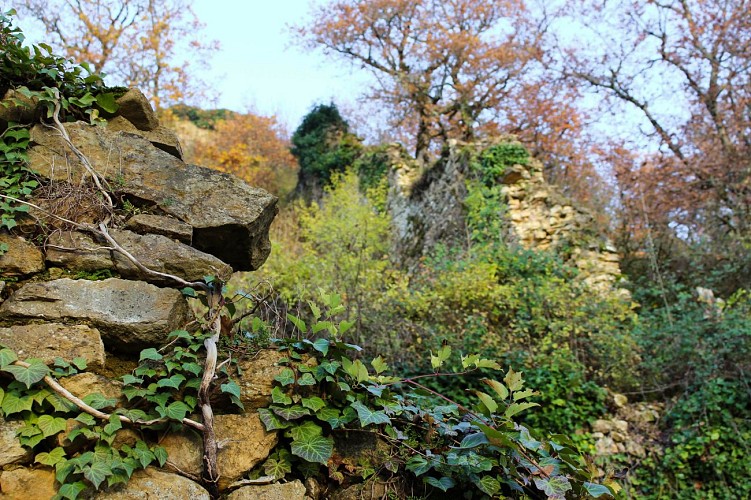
[(341, 245)]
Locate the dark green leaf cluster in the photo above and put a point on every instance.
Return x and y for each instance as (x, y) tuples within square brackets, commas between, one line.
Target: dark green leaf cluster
[(492, 162), (323, 145), (79, 446), (325, 389), (41, 81)]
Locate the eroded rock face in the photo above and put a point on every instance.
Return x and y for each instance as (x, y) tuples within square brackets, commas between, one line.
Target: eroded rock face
[(11, 450), (158, 224), (152, 484), (230, 219), (26, 484), (248, 443), (294, 490), (77, 251), (164, 255), (53, 340), (136, 108), (21, 258), (130, 315), (257, 378)]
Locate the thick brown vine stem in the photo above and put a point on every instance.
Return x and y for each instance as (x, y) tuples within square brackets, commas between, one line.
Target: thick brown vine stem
[(210, 469)]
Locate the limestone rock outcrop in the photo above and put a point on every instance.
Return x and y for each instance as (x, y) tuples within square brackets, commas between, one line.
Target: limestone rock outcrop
[(230, 219), (428, 208)]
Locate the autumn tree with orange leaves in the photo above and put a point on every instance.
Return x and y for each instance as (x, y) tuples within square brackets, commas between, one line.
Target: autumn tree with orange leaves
[(252, 147), (684, 69), (443, 67), (135, 42)]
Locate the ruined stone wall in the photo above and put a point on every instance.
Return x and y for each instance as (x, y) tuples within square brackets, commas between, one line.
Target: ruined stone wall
[(176, 219), (428, 208)]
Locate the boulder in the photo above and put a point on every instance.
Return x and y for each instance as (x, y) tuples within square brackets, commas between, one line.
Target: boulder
[(164, 255), (21, 259), (53, 340), (153, 484), (83, 384), (294, 490), (136, 108), (11, 451), (161, 137), (247, 444), (230, 219), (258, 377), (130, 315), (15, 107), (158, 224), (26, 484), (77, 251)]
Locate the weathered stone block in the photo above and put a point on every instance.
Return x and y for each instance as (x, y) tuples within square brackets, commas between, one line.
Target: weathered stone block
[(164, 255), (21, 259), (153, 484), (230, 219), (28, 484), (136, 108), (158, 224), (11, 451), (294, 490), (248, 443), (53, 340), (130, 315), (77, 251)]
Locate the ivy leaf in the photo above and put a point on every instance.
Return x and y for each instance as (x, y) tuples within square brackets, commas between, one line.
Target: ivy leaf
[(131, 380), (30, 375), (322, 346), (331, 416), (50, 425), (344, 326), (368, 416), (106, 101), (286, 377), (97, 472), (86, 419), (71, 490), (193, 368), (443, 484), (12, 403), (51, 458), (172, 382), (176, 411), (113, 426), (313, 447), (554, 487), (418, 465), (79, 363), (279, 397), (474, 440), (306, 379), (150, 353), (489, 485), (291, 412), (231, 388), (98, 401), (314, 403), (271, 421), (160, 454), (597, 490), (277, 468), (143, 454), (513, 380), (330, 366)]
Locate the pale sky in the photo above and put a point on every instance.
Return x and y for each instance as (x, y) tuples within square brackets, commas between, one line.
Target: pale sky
[(257, 67)]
